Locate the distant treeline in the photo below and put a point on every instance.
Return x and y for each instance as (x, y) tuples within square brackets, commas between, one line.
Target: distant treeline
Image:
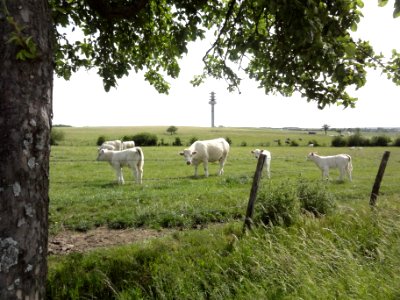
[(61, 125)]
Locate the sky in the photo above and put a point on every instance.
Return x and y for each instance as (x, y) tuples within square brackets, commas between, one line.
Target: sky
[(82, 101)]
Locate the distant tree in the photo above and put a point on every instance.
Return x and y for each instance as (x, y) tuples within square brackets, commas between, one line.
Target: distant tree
[(172, 130), (325, 127)]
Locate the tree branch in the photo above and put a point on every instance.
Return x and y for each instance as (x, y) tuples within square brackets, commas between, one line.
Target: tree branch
[(117, 11)]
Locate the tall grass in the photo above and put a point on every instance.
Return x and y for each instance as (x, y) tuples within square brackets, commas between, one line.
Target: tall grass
[(350, 255), (348, 252)]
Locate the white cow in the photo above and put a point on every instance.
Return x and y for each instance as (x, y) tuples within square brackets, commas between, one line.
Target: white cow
[(340, 161), (127, 145), (132, 158), (267, 163), (205, 152), (112, 145)]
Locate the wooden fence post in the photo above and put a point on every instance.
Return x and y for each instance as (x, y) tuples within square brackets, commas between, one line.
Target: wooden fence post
[(253, 192), (378, 179)]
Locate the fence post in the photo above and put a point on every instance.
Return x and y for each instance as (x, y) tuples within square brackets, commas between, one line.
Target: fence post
[(378, 179), (253, 192)]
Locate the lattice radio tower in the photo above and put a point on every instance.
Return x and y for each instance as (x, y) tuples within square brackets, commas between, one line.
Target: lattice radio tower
[(212, 102)]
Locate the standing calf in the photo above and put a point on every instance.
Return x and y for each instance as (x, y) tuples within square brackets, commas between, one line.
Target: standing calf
[(207, 151), (127, 145), (111, 145), (267, 163), (132, 158), (340, 161)]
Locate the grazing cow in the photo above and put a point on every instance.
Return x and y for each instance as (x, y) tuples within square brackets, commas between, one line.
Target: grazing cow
[(340, 161), (267, 163), (132, 158), (205, 152), (112, 145), (127, 145)]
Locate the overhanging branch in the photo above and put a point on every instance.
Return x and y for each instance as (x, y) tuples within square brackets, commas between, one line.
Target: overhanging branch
[(117, 11)]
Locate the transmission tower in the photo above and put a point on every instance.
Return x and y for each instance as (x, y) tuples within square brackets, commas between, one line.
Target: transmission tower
[(212, 102)]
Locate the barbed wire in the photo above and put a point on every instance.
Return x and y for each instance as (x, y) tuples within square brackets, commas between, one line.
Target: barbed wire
[(249, 159), (226, 176)]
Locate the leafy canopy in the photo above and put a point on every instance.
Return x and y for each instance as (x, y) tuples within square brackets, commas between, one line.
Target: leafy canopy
[(286, 46)]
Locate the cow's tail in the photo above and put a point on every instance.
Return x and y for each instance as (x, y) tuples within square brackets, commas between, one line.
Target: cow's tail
[(349, 164), (141, 155)]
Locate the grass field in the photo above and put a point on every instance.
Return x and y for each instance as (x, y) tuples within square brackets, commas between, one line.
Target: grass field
[(346, 255)]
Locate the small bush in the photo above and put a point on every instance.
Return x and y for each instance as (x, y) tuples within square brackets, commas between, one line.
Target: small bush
[(127, 138), (228, 140), (243, 144), (357, 140), (339, 141), (192, 140), (177, 142), (294, 143), (145, 139), (278, 205), (381, 141), (314, 142), (56, 136), (397, 142), (100, 140), (315, 198)]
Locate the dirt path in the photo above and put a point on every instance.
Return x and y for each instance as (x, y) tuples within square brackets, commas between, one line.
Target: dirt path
[(72, 241)]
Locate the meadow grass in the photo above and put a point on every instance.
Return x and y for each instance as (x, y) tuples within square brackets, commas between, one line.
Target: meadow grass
[(351, 253)]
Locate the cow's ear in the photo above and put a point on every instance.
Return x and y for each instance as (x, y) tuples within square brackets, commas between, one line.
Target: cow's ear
[(252, 151), (194, 152), (181, 153)]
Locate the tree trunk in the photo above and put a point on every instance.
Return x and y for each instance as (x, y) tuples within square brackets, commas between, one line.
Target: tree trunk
[(25, 124)]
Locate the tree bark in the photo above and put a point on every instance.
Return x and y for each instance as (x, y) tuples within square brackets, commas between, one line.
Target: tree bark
[(25, 124)]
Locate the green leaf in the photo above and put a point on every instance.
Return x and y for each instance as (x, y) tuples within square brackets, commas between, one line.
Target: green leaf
[(396, 12), (382, 3)]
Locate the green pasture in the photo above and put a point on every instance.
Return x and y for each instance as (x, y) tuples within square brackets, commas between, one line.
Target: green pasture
[(84, 193), (350, 254)]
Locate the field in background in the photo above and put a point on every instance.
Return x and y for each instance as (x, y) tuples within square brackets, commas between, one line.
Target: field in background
[(87, 136), (83, 195)]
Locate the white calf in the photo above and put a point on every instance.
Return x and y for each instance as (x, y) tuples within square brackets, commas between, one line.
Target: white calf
[(340, 161), (132, 158), (205, 152), (112, 145), (267, 163), (106, 146), (127, 145)]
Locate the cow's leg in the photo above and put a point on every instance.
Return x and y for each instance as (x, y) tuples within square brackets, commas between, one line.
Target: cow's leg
[(195, 170), (139, 174), (120, 177), (342, 171), (349, 173), (135, 173), (205, 163), (221, 166), (325, 173), (268, 171)]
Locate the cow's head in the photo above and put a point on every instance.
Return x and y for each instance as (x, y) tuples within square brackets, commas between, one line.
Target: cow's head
[(311, 155), (256, 153), (188, 155), (101, 154)]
